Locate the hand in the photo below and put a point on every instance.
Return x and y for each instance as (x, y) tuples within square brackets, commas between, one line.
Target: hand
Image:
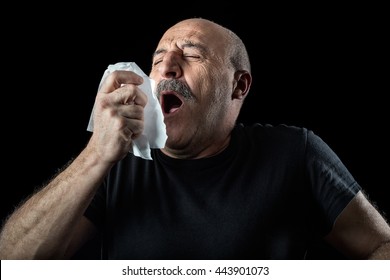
[(118, 115)]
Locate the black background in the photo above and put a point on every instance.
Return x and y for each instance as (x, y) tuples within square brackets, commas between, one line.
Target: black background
[(320, 67)]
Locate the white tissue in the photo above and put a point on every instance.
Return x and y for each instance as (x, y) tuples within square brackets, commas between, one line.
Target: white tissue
[(154, 134)]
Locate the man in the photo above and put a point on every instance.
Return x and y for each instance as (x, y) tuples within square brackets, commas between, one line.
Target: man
[(217, 190)]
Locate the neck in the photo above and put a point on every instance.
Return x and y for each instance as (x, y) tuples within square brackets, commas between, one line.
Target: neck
[(198, 152)]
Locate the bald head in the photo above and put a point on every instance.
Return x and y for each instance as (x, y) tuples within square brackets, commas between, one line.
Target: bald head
[(234, 46)]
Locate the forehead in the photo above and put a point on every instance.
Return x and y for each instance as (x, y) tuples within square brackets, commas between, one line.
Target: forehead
[(195, 31)]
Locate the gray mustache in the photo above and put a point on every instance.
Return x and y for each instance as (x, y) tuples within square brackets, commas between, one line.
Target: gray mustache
[(174, 85)]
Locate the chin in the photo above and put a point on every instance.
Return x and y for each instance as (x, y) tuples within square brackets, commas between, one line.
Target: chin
[(174, 140)]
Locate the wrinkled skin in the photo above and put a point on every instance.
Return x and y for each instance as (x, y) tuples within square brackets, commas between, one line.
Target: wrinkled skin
[(192, 53)]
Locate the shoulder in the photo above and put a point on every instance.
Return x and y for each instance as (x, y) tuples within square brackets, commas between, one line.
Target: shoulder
[(275, 140), (280, 132)]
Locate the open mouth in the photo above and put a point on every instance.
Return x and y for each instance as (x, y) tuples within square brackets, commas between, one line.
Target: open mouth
[(170, 102)]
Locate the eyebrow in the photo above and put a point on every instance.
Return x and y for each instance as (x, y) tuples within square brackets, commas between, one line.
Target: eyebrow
[(186, 44)]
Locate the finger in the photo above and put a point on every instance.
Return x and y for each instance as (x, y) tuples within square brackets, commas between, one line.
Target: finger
[(132, 128), (125, 95), (132, 94), (133, 111), (119, 77), (137, 127)]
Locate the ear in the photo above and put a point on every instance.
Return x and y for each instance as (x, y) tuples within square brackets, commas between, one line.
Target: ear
[(243, 81)]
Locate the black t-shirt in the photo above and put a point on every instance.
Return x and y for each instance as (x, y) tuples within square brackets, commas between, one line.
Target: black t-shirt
[(270, 193)]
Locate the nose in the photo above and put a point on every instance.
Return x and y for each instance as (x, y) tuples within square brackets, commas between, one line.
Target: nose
[(170, 67)]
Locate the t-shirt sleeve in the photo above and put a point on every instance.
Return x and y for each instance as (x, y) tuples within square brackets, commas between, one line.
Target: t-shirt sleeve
[(333, 186), (96, 209)]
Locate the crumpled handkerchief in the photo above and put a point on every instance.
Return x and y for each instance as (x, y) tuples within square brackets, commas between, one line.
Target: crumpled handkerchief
[(154, 134)]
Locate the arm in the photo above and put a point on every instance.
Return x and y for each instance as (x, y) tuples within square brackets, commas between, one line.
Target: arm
[(43, 226), (50, 224), (360, 232)]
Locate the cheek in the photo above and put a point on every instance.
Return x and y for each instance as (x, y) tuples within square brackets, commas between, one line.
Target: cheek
[(198, 80), (206, 86), (153, 76)]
